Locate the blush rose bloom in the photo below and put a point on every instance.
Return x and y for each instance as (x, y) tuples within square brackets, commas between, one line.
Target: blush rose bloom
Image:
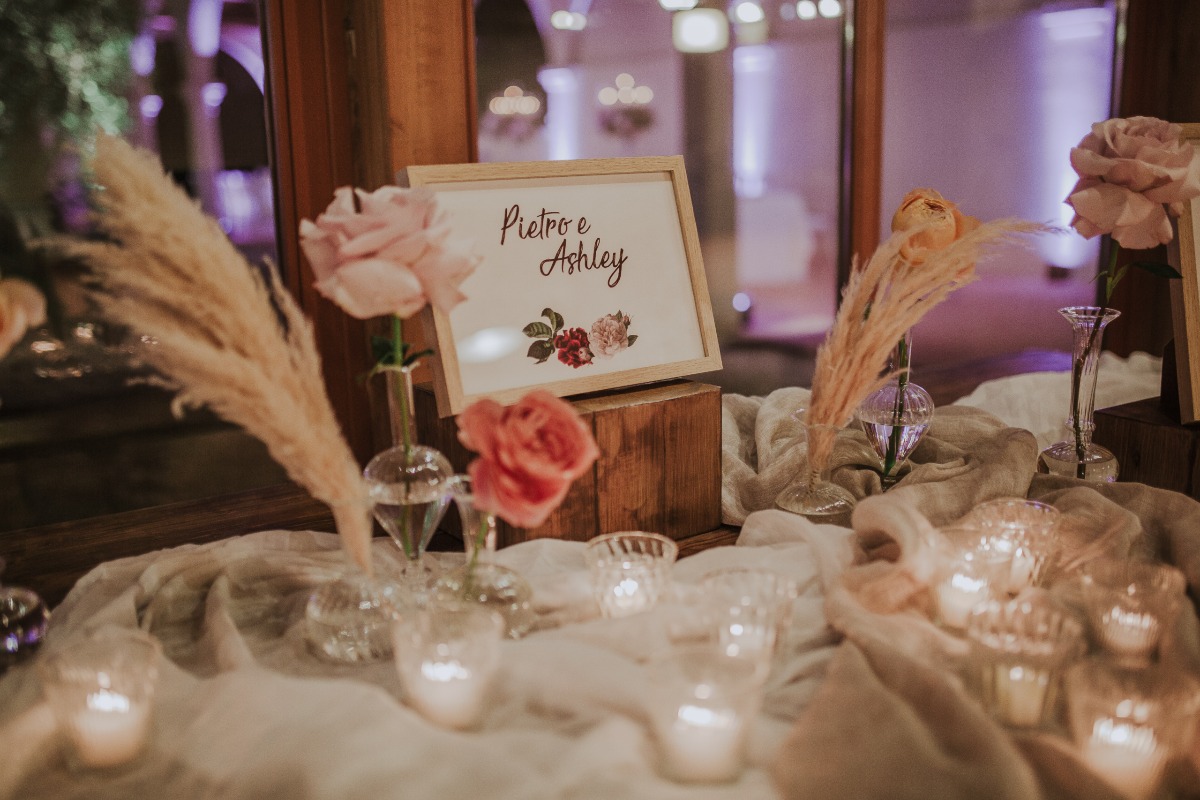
[(609, 335), (22, 307), (1132, 173), (940, 221), (529, 454), (390, 257)]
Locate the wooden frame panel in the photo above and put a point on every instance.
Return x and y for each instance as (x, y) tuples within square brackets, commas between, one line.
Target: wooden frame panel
[(1185, 299), (489, 189)]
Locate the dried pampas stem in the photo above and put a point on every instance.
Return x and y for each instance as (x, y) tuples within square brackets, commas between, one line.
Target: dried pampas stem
[(884, 299), (225, 334)]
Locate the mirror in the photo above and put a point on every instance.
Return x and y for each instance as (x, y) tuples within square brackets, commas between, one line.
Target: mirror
[(80, 436)]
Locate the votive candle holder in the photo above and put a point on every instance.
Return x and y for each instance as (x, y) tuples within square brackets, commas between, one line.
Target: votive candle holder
[(971, 571), (1130, 723), (630, 571), (750, 610), (1027, 529), (101, 692), (1020, 649), (1130, 604), (447, 655), (704, 702)]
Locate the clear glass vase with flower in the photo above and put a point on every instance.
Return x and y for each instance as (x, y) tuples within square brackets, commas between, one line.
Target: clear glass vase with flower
[(529, 454), (1134, 176), (389, 253)]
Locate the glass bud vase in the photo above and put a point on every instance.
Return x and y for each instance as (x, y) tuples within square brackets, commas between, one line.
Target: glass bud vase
[(349, 618), (1078, 456), (896, 415), (408, 489), (815, 496), (481, 580)]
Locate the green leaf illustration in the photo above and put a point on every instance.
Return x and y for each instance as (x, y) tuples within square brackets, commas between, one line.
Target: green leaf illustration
[(538, 330), (541, 350), (629, 342), (556, 319)]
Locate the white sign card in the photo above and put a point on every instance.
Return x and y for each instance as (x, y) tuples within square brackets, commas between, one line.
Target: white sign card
[(591, 279)]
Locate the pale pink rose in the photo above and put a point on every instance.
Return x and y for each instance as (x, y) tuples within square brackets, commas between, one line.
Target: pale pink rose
[(610, 335), (529, 454), (22, 307), (939, 220), (1132, 174), (391, 257)]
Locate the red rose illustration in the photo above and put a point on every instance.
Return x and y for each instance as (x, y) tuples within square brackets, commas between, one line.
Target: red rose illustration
[(573, 348)]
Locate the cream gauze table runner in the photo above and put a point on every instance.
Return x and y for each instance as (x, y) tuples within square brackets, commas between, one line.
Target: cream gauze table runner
[(863, 699)]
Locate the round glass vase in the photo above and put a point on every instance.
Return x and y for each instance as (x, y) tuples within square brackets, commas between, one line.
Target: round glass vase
[(481, 580), (348, 619), (815, 497), (1077, 456), (408, 486), (896, 415)]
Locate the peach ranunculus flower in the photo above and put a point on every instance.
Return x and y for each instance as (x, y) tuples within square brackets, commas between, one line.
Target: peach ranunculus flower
[(529, 454), (22, 307), (610, 335), (1132, 173), (387, 254), (940, 221)]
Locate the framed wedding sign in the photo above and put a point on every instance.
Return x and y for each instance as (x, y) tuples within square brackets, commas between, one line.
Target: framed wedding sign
[(1184, 254), (591, 279)]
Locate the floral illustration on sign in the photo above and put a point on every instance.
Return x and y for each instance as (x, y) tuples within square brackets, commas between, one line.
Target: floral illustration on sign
[(577, 347)]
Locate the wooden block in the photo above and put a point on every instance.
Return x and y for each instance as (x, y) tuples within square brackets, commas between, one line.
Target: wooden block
[(659, 468), (1151, 447)]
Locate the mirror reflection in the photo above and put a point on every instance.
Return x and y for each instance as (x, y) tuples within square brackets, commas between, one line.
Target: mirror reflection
[(81, 431), (983, 100)]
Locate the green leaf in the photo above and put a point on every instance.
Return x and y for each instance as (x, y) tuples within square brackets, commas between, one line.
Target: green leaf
[(381, 350), (538, 330), (631, 340), (1157, 268), (556, 319), (411, 358), (541, 350)]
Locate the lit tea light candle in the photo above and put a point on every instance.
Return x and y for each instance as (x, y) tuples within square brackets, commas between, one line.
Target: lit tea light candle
[(630, 571), (703, 701), (446, 656), (1126, 755), (110, 729), (1021, 692), (1129, 633), (704, 744), (101, 691), (1026, 531), (628, 593), (958, 595), (448, 694)]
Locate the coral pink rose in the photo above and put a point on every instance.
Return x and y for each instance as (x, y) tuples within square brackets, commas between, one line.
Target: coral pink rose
[(940, 221), (22, 307), (609, 335), (390, 257), (1132, 174), (529, 454)]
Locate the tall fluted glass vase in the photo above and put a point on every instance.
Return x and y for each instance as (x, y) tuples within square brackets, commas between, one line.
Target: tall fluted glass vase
[(815, 496), (481, 580), (1077, 456), (408, 485)]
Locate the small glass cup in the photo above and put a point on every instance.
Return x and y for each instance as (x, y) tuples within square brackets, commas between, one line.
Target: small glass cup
[(446, 656), (971, 571), (102, 693), (1129, 723), (751, 609), (1020, 648), (630, 571), (1130, 603), (704, 701), (1027, 528), (23, 620)]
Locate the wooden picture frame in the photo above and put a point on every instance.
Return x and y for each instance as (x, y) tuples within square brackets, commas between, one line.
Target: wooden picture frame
[(1184, 254), (591, 279)]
